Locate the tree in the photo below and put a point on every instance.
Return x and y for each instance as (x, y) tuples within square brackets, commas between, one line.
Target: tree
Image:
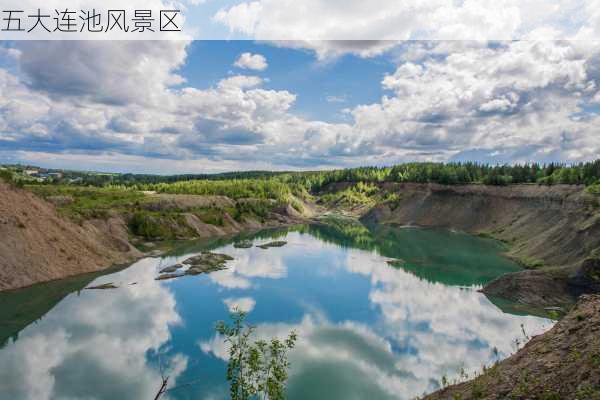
[(256, 370)]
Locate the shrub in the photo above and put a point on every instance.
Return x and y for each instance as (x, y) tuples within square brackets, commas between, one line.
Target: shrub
[(148, 226), (594, 189), (6, 175)]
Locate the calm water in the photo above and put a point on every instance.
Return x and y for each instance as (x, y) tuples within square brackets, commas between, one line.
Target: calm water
[(366, 329)]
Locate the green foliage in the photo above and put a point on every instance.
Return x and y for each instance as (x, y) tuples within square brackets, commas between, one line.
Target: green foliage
[(6, 175), (587, 392), (235, 188), (530, 263), (256, 369), (253, 208), (452, 174), (594, 189), (358, 194), (89, 201), (146, 225), (11, 178), (213, 216)]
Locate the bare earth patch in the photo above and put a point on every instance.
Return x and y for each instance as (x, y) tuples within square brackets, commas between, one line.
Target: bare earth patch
[(561, 364)]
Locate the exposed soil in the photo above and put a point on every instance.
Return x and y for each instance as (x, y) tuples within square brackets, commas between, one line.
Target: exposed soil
[(165, 201), (38, 245), (552, 229), (561, 364)]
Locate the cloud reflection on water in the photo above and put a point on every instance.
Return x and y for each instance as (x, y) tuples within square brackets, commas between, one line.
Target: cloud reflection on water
[(400, 337), (94, 344), (423, 331)]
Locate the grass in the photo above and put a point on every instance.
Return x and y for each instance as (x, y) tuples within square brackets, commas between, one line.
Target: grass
[(530, 263), (355, 195), (234, 188), (11, 178), (593, 189), (144, 221), (90, 202)]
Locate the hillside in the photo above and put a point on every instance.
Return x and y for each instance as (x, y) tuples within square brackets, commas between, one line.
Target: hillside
[(563, 363), (550, 230), (65, 231), (38, 245)]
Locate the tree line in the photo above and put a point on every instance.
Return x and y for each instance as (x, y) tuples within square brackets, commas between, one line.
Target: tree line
[(454, 173), (280, 185)]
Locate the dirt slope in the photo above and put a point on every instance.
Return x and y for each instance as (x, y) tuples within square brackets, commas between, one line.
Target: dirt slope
[(37, 245), (544, 226), (558, 225), (561, 364)]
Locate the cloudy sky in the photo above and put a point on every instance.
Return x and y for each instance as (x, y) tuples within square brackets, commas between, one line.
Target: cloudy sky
[(283, 100), (174, 106)]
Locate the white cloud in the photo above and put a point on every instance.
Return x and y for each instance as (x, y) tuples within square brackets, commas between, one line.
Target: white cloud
[(392, 20), (525, 100), (336, 99), (80, 30), (255, 62)]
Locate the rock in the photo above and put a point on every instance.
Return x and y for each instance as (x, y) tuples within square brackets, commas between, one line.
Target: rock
[(587, 277), (169, 276), (398, 262), (204, 269), (206, 262), (171, 268), (243, 244), (109, 285), (277, 243), (208, 258)]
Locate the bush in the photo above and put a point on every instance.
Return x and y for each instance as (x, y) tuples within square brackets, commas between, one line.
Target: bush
[(594, 189), (10, 178), (212, 216), (256, 208), (6, 175), (148, 226)]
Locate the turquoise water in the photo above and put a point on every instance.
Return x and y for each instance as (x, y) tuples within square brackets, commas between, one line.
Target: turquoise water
[(366, 329)]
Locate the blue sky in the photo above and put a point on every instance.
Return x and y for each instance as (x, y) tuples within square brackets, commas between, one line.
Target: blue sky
[(209, 106), (351, 80)]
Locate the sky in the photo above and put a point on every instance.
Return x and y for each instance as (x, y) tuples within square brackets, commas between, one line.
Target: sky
[(174, 106)]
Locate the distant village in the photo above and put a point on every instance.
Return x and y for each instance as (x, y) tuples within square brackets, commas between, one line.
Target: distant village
[(33, 174)]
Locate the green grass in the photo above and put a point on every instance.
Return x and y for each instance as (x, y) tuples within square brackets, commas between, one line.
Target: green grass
[(91, 202), (530, 263), (355, 195), (210, 216), (593, 189), (100, 202), (234, 188)]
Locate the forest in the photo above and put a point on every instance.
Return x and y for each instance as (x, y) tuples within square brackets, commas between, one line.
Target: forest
[(281, 185)]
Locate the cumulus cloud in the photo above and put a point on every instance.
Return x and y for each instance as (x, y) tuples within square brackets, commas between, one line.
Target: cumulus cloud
[(255, 62), (120, 73), (82, 30), (454, 96), (392, 20), (443, 101)]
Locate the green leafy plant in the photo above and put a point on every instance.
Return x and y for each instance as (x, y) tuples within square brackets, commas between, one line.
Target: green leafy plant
[(257, 369)]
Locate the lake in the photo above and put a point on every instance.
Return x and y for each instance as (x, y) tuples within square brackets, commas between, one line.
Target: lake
[(367, 329)]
